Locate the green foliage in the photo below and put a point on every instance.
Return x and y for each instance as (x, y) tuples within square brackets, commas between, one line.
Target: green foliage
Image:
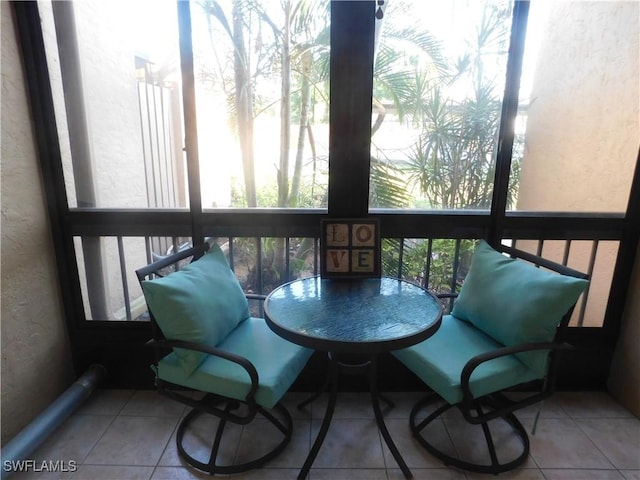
[(429, 263), (452, 161)]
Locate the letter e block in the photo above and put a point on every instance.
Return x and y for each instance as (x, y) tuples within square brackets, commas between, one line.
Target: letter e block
[(362, 261)]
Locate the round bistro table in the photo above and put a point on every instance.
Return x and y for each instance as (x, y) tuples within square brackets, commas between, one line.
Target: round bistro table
[(358, 316)]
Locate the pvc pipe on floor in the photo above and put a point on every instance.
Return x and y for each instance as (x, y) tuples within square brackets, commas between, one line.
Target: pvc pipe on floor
[(15, 454)]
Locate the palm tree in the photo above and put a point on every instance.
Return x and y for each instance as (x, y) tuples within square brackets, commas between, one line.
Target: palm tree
[(286, 46), (452, 162)]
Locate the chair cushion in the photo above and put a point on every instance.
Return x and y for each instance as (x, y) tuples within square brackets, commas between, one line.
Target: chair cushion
[(514, 302), (277, 361), (439, 361), (201, 303)]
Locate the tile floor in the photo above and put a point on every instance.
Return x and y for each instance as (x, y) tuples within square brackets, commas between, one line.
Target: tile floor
[(125, 434)]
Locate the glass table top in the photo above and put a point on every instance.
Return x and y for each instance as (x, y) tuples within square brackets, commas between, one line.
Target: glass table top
[(349, 315)]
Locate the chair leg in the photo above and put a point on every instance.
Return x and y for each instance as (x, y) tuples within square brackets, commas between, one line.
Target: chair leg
[(495, 467), (212, 467)]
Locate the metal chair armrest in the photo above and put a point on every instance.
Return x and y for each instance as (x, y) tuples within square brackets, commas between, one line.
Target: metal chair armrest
[(474, 362), (231, 357)]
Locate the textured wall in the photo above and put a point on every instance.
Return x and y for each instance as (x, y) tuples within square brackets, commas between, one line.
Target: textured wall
[(36, 364), (583, 124)]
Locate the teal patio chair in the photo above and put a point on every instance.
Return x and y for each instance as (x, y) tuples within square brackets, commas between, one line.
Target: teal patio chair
[(504, 332), (213, 356)]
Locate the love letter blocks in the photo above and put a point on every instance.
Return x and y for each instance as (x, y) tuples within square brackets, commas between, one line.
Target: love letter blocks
[(350, 248)]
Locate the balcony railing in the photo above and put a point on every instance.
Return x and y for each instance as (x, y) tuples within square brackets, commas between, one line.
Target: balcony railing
[(434, 263)]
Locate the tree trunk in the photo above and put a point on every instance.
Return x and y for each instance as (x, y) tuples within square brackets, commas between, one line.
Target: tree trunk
[(285, 110), (244, 104), (306, 60), (285, 136)]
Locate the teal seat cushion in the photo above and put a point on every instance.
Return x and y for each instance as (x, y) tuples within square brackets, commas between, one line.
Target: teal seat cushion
[(203, 302), (514, 302), (439, 361), (277, 361)]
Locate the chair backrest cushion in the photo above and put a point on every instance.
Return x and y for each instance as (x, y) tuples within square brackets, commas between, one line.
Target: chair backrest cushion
[(203, 302), (514, 302)]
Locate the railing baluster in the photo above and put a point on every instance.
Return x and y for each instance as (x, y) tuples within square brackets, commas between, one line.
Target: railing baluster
[(565, 257), (456, 264), (148, 248), (259, 264), (231, 259), (540, 246), (316, 253), (123, 275), (585, 295), (400, 256), (427, 266), (287, 259), (454, 273)]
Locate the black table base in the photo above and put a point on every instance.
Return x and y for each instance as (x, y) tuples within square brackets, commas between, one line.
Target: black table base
[(336, 366)]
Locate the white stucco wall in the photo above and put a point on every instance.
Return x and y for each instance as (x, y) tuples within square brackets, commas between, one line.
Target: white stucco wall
[(36, 365), (583, 125)]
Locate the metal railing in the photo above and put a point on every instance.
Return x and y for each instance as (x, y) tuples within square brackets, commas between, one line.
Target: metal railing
[(434, 263)]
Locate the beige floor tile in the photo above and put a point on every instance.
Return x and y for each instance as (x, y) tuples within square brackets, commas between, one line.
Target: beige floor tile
[(149, 403), (403, 403), (591, 405), (105, 402), (112, 472), (581, 474), (631, 474), (74, 439), (350, 443), (267, 474), (181, 473), (126, 434), (429, 474), (518, 474), (347, 474), (414, 455), (560, 443), (617, 438), (133, 441), (348, 405)]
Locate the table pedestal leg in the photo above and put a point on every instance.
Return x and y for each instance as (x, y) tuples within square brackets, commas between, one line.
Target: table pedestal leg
[(326, 421), (375, 395)]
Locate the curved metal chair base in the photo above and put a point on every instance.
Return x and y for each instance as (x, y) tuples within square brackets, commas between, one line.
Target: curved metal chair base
[(495, 467), (212, 468)]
